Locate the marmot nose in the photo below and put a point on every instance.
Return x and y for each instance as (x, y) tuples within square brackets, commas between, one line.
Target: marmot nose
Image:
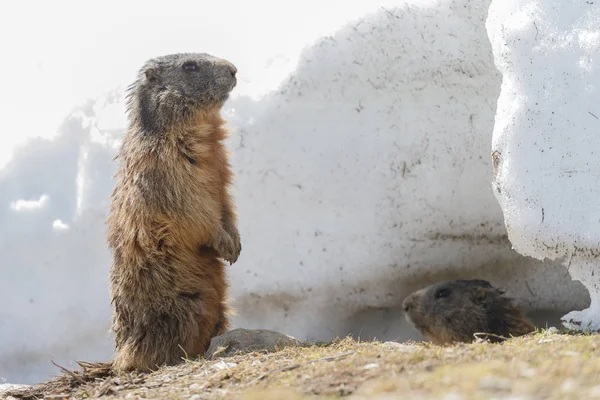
[(407, 303), (233, 70)]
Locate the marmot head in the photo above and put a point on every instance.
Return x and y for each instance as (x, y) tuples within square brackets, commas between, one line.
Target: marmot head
[(453, 311), (175, 86)]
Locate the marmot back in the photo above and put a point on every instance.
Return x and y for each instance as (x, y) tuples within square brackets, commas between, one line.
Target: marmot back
[(171, 217), (453, 311)]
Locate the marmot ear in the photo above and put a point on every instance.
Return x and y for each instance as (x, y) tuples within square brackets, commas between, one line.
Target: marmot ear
[(480, 295), (151, 74)]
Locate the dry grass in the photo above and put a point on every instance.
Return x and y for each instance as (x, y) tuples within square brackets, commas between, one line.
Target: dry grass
[(544, 365)]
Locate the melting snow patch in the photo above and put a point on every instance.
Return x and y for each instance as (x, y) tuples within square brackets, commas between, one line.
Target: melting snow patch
[(545, 141)]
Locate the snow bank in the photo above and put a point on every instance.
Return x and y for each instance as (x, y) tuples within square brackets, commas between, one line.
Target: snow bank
[(54, 286), (362, 177), (545, 139), (367, 174)]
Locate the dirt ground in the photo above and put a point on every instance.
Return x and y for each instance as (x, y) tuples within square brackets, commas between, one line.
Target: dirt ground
[(543, 365)]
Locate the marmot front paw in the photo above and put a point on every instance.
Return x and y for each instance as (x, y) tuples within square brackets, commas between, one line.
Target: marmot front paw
[(232, 230), (228, 247)]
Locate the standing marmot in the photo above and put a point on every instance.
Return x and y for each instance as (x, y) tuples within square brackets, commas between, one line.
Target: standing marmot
[(453, 311), (171, 217)]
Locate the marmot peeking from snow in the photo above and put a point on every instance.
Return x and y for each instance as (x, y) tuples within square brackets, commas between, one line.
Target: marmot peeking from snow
[(171, 218), (450, 312)]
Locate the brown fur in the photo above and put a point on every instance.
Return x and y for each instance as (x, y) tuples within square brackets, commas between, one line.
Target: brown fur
[(171, 219), (451, 312)]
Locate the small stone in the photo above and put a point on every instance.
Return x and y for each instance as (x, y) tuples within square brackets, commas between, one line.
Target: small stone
[(568, 386), (196, 386), (247, 340), (371, 366), (528, 372), (494, 384), (221, 365), (595, 391), (394, 344), (404, 348), (570, 353), (5, 387), (195, 397), (552, 330), (453, 396)]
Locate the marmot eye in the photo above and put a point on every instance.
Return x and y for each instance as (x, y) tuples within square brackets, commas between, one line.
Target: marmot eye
[(189, 66), (442, 293)]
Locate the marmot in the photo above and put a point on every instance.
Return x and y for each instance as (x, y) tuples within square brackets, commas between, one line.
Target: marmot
[(171, 217), (453, 311)]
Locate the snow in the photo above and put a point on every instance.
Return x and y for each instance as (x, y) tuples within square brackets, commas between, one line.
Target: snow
[(361, 147), (54, 286), (546, 135)]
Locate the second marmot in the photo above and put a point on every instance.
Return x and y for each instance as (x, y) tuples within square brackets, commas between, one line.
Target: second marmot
[(453, 311)]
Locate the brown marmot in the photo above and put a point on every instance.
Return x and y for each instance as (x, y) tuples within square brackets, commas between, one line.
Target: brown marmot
[(171, 217), (453, 311)]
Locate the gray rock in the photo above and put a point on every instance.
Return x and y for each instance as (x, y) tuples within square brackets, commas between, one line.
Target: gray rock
[(247, 340)]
